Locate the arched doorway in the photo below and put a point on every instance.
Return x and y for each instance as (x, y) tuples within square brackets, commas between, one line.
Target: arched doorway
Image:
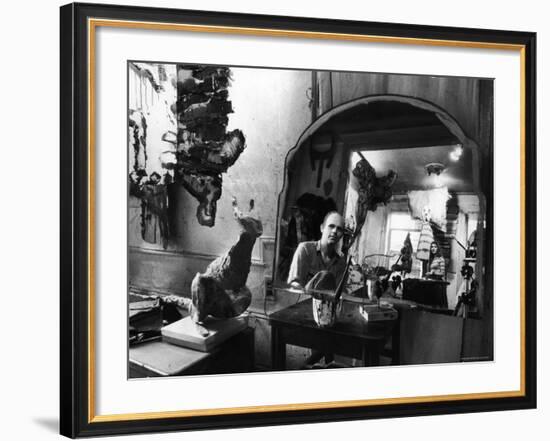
[(318, 166)]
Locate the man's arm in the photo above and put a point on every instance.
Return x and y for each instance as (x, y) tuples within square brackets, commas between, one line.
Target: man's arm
[(299, 267)]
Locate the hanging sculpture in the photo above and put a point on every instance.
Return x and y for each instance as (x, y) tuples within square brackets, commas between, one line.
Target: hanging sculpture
[(189, 109), (205, 149), (372, 191)]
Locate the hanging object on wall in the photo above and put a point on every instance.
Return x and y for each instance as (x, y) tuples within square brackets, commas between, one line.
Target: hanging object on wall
[(430, 203), (168, 158), (148, 179), (154, 211), (207, 189), (327, 187), (137, 126), (137, 178), (372, 191), (150, 189), (221, 290), (321, 148), (205, 149)]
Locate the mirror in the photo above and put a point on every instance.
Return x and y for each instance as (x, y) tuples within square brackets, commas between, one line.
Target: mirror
[(437, 168)]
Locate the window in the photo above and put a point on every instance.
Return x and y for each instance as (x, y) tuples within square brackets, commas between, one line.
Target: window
[(400, 223)]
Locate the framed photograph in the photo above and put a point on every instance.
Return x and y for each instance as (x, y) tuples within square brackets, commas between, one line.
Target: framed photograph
[(272, 220)]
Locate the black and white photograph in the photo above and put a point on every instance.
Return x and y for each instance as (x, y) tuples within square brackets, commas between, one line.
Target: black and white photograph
[(289, 219), (266, 221)]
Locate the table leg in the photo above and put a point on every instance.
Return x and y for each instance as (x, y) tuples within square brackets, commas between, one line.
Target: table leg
[(278, 350), (370, 355), (396, 341)]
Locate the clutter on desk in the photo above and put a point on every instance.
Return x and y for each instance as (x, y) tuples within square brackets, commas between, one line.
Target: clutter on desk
[(149, 313), (145, 315), (144, 337), (377, 313)]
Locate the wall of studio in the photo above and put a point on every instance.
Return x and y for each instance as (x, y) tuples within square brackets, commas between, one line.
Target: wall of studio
[(271, 108)]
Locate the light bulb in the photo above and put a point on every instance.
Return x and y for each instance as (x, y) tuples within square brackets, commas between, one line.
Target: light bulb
[(456, 153)]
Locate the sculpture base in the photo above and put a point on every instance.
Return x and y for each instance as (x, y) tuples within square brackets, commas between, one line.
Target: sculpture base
[(187, 333)]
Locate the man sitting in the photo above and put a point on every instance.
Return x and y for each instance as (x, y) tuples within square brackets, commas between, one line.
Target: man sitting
[(312, 257)]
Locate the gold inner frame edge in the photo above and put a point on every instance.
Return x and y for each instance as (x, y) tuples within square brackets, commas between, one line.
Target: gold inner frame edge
[(261, 32)]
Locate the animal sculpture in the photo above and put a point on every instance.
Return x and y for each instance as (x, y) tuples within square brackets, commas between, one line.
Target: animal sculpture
[(221, 290)]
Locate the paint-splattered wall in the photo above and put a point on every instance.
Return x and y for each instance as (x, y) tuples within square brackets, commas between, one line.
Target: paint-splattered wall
[(271, 108)]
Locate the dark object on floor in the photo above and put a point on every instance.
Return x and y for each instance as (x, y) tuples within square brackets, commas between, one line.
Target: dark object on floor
[(221, 291)]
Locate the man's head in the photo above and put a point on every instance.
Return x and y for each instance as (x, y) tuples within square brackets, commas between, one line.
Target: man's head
[(332, 228)]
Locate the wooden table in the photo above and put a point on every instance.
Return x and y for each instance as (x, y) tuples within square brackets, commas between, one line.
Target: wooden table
[(351, 336), (159, 358)]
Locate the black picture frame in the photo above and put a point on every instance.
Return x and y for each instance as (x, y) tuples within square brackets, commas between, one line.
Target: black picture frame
[(77, 417)]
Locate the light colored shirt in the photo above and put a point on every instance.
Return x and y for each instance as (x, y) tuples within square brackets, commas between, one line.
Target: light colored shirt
[(308, 261), (437, 266)]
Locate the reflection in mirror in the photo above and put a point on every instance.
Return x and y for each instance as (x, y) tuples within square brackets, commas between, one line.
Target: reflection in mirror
[(411, 187), (421, 235)]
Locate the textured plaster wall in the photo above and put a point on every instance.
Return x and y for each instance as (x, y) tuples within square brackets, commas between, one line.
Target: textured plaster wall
[(271, 107)]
